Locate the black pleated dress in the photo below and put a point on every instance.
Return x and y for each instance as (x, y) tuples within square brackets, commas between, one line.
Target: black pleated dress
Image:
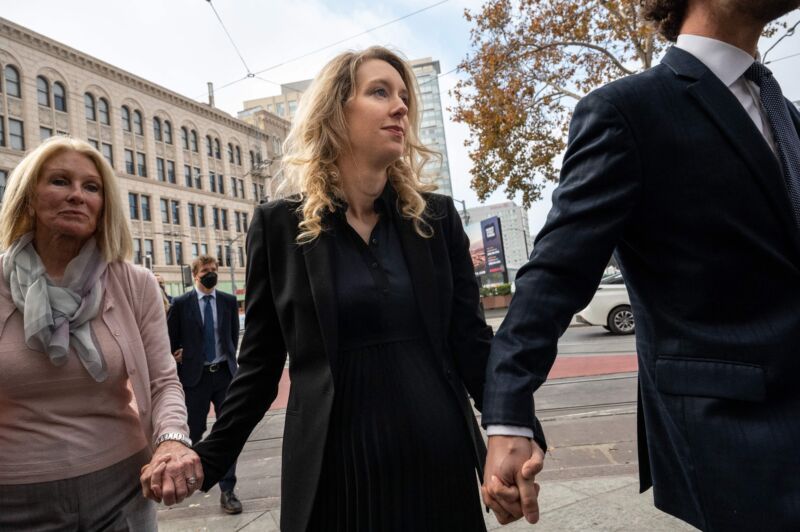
[(398, 455)]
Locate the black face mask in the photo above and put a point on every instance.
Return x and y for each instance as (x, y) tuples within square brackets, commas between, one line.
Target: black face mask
[(209, 280)]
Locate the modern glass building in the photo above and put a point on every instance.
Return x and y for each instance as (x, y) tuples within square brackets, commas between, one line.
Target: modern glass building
[(432, 125)]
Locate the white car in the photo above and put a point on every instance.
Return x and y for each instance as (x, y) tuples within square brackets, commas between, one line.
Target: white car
[(610, 307)]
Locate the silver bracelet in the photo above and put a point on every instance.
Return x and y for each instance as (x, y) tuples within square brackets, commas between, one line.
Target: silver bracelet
[(173, 436)]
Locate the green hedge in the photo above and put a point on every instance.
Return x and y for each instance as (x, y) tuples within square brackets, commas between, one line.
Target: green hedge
[(496, 290)]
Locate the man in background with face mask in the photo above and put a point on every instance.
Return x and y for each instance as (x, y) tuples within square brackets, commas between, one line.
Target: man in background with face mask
[(203, 333)]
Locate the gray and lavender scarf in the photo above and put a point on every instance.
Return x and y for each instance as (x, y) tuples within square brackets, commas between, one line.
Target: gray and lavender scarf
[(57, 317)]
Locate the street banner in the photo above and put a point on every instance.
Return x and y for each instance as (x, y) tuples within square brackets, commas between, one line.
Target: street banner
[(476, 251), (495, 258)]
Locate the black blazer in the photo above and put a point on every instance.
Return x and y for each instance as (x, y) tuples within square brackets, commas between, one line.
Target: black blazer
[(185, 326), (291, 307), (668, 168)]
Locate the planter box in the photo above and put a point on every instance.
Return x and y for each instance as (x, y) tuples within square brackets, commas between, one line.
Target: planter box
[(490, 302)]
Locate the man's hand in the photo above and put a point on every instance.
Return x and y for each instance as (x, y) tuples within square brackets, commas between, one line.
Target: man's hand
[(178, 355), (173, 473), (509, 486)]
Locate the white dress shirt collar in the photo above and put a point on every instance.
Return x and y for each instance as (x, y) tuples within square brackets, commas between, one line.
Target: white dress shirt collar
[(200, 294), (726, 61)]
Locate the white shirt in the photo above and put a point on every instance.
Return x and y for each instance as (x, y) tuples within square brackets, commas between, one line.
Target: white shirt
[(729, 64)]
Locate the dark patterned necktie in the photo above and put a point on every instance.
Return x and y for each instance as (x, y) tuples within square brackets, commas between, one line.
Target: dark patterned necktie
[(209, 342), (787, 141)]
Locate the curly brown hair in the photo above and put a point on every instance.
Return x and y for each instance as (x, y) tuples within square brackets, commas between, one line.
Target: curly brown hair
[(667, 14)]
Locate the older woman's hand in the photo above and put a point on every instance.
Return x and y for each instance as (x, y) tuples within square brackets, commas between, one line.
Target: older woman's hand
[(173, 473)]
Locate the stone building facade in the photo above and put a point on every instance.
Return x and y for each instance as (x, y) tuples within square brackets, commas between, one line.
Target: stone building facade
[(190, 174)]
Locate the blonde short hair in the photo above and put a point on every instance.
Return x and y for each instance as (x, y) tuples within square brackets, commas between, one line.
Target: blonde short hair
[(17, 218), (319, 135)]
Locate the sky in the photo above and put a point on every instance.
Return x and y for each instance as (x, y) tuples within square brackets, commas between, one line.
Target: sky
[(181, 45)]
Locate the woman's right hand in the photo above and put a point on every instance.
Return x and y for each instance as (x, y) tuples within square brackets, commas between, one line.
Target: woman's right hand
[(174, 473)]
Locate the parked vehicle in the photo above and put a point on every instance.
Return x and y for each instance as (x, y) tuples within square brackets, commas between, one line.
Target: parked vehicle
[(610, 307)]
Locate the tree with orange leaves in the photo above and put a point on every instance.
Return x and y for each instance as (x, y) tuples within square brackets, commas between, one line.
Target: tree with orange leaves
[(534, 59)]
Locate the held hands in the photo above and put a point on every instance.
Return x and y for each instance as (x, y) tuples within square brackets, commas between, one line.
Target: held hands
[(173, 473), (509, 489)]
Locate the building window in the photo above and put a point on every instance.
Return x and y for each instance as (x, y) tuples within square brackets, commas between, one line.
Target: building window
[(195, 250), (185, 138), (108, 153), (234, 190), (168, 252), (129, 168), (138, 126), (59, 97), (215, 217), (241, 256), (133, 204), (95, 144), (212, 181), (125, 116), (279, 109), (221, 184), (145, 208), (198, 182), (220, 258), (224, 213), (238, 222), (157, 129), (102, 111), (12, 82), (137, 251), (3, 176), (193, 141), (171, 172), (164, 210), (176, 212), (167, 132), (217, 152), (241, 188), (187, 175), (42, 91), (292, 107), (252, 159), (141, 164), (230, 153), (201, 218), (148, 251), (204, 248), (16, 134), (160, 169), (238, 156), (209, 147), (190, 210), (178, 253), (244, 221), (88, 105), (45, 133)]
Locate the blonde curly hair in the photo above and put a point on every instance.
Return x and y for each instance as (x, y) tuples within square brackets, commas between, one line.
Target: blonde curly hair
[(319, 135)]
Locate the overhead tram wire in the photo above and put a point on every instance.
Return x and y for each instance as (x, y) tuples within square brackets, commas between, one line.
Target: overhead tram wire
[(297, 58), (247, 68), (782, 58)]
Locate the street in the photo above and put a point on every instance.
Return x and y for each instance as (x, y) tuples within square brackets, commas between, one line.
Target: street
[(590, 478)]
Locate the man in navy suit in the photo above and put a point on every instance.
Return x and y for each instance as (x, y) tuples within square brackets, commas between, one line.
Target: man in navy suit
[(691, 172), (204, 332)]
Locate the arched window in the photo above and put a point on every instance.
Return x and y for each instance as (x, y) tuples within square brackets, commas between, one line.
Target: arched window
[(238, 156), (167, 132), (88, 105), (230, 153), (185, 138), (252, 159), (193, 141), (59, 97), (210, 146), (102, 111), (42, 91), (138, 126), (217, 152), (125, 116), (157, 128), (12, 82)]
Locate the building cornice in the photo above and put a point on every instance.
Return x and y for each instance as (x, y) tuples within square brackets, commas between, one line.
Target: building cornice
[(72, 56)]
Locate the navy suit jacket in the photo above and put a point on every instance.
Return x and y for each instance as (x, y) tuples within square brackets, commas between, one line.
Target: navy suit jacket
[(667, 168), (186, 331)]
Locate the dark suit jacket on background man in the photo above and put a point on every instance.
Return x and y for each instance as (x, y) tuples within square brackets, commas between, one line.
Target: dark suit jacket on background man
[(667, 168)]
